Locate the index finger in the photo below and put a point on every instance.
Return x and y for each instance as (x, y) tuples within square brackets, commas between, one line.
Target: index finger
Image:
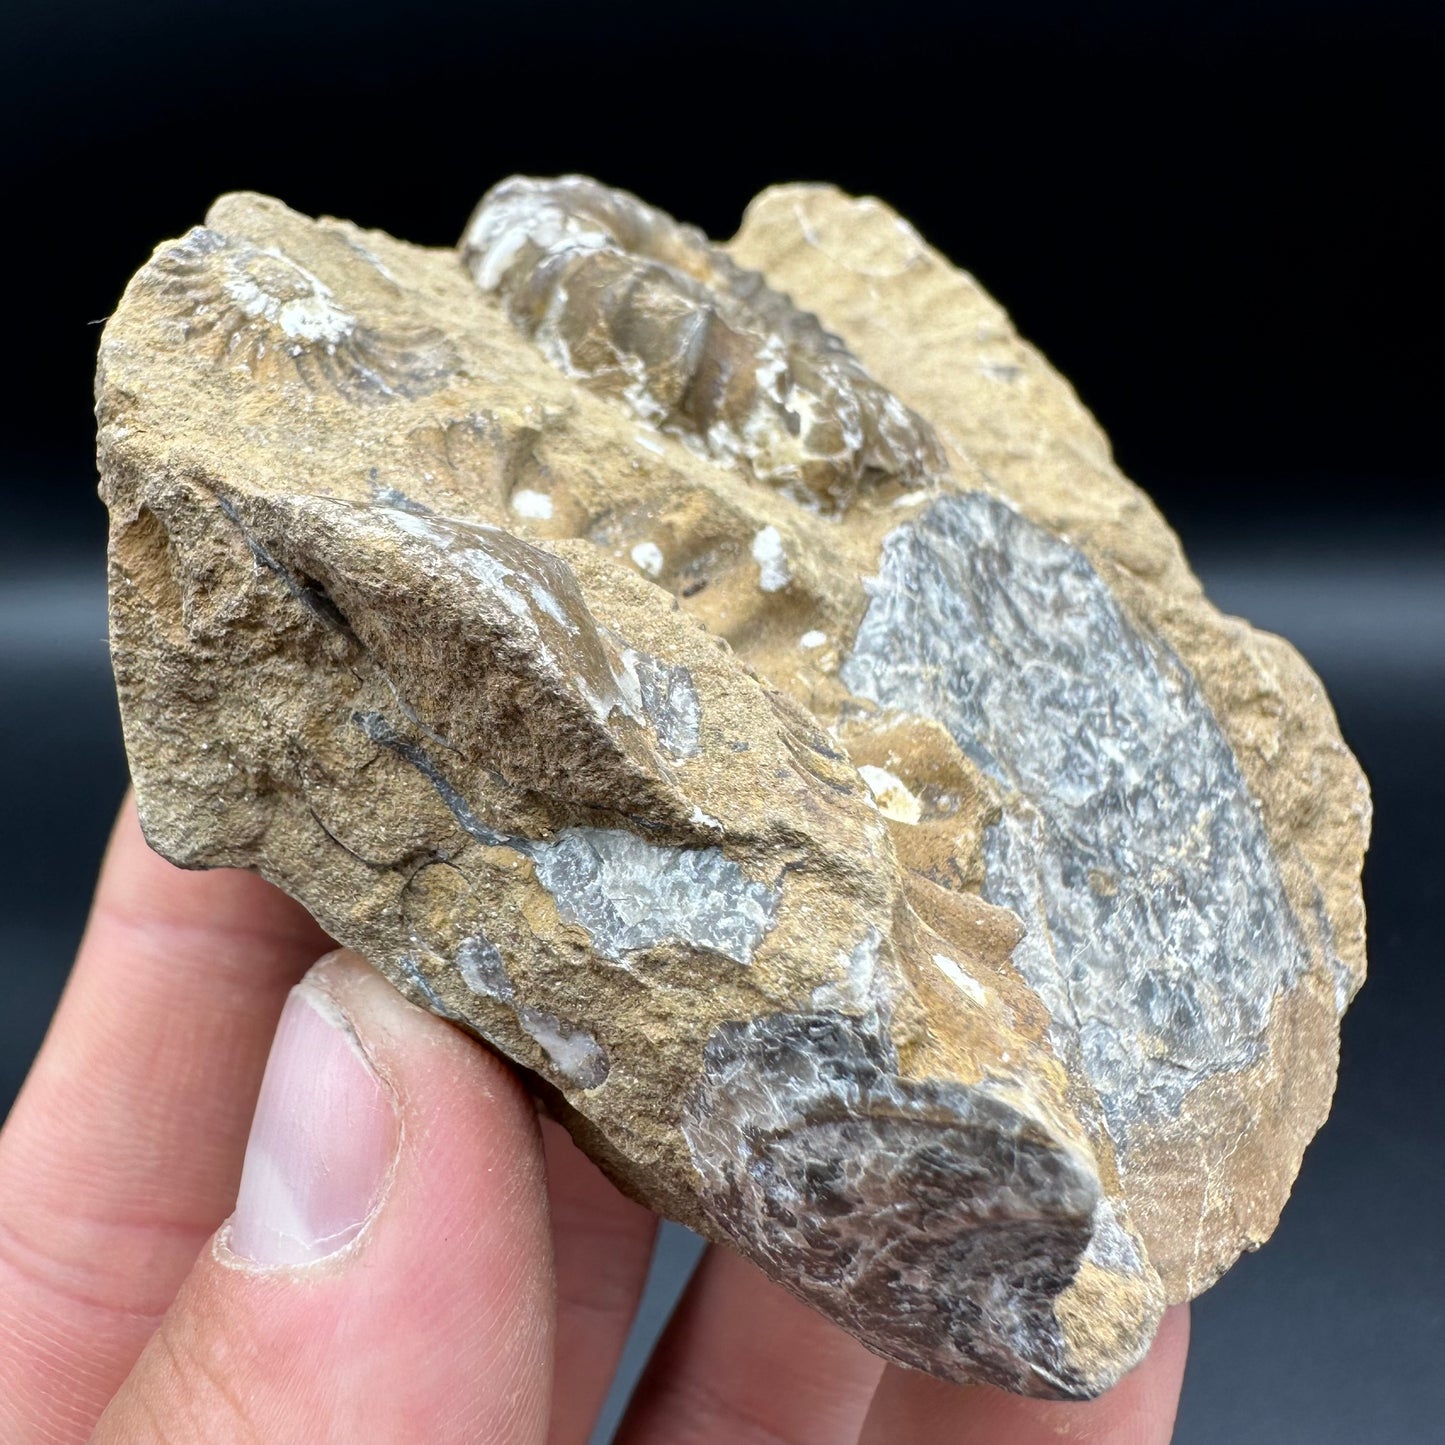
[(123, 1152)]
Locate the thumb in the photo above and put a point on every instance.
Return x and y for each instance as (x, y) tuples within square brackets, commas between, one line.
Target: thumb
[(386, 1275)]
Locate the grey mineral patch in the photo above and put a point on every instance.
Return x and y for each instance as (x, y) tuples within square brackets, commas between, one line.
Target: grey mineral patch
[(479, 962), (571, 1049), (542, 598), (862, 986), (1112, 1247), (627, 893), (630, 894), (411, 972), (669, 703), (1158, 932)]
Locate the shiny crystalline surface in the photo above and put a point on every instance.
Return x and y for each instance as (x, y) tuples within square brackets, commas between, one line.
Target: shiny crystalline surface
[(631, 895), (735, 683), (1157, 931)]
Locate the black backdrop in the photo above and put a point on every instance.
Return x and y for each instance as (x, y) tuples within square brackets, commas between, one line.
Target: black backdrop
[(1215, 218)]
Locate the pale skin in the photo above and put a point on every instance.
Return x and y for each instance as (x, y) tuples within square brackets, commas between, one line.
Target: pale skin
[(481, 1295)]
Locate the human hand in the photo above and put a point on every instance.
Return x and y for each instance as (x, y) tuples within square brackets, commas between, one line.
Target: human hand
[(412, 1259)]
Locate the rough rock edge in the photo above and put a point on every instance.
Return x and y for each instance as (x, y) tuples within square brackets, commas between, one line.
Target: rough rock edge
[(872, 279), (841, 328)]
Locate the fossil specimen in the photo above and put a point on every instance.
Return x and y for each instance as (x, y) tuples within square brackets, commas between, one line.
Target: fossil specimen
[(641, 308), (735, 682)]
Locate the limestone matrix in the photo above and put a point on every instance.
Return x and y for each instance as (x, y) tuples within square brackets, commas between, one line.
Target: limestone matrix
[(736, 683)]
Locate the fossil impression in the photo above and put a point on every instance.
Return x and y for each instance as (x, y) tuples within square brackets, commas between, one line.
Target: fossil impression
[(736, 683)]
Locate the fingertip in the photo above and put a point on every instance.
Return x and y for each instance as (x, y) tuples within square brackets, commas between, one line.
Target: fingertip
[(389, 1258), (323, 1142), (427, 1060), (1139, 1410), (139, 888)]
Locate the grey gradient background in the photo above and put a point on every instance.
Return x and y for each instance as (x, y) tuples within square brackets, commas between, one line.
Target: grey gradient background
[(1214, 219)]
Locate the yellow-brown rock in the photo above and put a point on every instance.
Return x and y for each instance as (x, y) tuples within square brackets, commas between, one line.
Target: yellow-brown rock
[(736, 683)]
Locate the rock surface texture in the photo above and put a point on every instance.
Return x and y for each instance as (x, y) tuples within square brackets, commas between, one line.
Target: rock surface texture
[(736, 683)]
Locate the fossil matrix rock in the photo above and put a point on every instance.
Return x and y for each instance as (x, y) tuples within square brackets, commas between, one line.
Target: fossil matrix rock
[(735, 682)]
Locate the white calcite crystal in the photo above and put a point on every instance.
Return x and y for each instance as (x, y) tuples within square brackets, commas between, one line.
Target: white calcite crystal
[(735, 682)]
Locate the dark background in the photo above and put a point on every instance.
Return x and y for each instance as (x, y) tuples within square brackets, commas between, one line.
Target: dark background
[(1214, 218)]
